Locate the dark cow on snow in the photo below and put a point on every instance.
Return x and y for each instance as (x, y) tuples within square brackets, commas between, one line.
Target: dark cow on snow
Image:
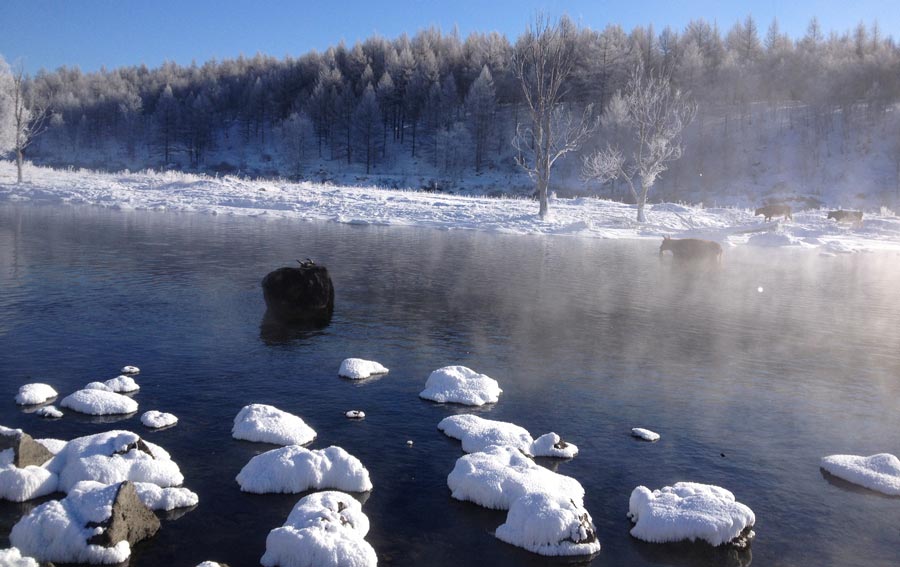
[(691, 249), (853, 217), (770, 211)]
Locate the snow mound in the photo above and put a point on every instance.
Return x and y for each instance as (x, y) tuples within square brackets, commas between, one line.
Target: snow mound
[(97, 386), (99, 402), (879, 472), (324, 529), (112, 457), (357, 368), (49, 412), (644, 434), (294, 469), (36, 393), (122, 384), (355, 414), (546, 509), (499, 475), (21, 484), (57, 530), (13, 558), (209, 564), (53, 445), (461, 385), (769, 239), (130, 370), (267, 424), (548, 525), (690, 511), (156, 419), (477, 434)]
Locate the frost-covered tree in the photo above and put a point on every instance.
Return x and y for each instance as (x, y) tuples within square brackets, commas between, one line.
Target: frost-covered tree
[(365, 123), (21, 118), (654, 113), (481, 103), (297, 133), (543, 60)]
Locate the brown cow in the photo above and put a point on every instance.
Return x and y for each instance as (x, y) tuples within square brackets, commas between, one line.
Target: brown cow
[(691, 249), (770, 211), (854, 217)]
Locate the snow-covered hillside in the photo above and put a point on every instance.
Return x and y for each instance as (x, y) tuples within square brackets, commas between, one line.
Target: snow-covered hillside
[(582, 217)]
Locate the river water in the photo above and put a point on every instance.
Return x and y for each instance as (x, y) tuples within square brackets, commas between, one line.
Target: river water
[(751, 372)]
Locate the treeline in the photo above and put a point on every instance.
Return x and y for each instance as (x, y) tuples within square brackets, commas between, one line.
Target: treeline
[(445, 101)]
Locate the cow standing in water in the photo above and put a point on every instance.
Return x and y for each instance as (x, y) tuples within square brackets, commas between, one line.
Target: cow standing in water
[(692, 249)]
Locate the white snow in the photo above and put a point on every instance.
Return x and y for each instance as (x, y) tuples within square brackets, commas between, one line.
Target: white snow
[(324, 529), (56, 530), (549, 525), (99, 402), (156, 419), (21, 484), (357, 368), (477, 433), (36, 393), (53, 445), (546, 509), (879, 472), (209, 564), (49, 411), (460, 385), (122, 384), (644, 434), (130, 370), (13, 558), (356, 414), (295, 469), (267, 424), (580, 217), (499, 475), (689, 511), (112, 457), (97, 386)]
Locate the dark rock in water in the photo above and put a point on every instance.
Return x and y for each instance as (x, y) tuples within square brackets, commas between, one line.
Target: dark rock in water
[(27, 450), (301, 294), (130, 519)]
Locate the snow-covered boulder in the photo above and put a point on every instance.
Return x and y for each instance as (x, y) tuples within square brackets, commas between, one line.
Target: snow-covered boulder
[(549, 525), (132, 370), (99, 402), (644, 434), (19, 484), (13, 558), (460, 385), (114, 456), (93, 524), (295, 469), (477, 433), (324, 529), (122, 384), (267, 424), (36, 393), (499, 475), (690, 511), (97, 386), (152, 496), (21, 449), (357, 368), (877, 472), (211, 564), (355, 414), (50, 412), (53, 445), (157, 419)]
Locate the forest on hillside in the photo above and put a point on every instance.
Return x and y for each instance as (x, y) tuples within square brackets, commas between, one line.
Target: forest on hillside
[(445, 108)]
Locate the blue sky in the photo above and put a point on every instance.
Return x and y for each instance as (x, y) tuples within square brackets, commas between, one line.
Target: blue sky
[(93, 33)]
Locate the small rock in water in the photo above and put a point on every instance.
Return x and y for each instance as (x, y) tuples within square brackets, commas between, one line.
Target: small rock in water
[(130, 370), (49, 411), (644, 434), (409, 442), (355, 414)]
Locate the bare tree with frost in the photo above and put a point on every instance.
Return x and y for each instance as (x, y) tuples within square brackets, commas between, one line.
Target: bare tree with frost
[(543, 60), (21, 119), (654, 113)]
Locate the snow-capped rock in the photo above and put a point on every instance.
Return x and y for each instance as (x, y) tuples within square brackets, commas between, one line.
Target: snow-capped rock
[(37, 393), (477, 433), (879, 472), (357, 368), (267, 424), (122, 384), (294, 469), (157, 419), (690, 511), (644, 434), (461, 385), (99, 402)]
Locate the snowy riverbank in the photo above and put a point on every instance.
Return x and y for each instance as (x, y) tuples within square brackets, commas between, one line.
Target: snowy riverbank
[(583, 217)]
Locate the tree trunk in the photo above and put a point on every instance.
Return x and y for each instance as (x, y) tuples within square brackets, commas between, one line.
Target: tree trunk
[(19, 165)]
